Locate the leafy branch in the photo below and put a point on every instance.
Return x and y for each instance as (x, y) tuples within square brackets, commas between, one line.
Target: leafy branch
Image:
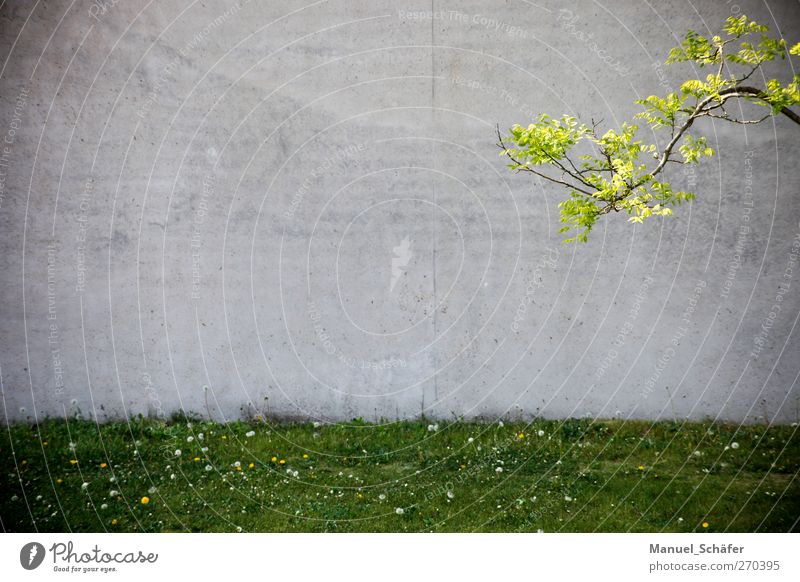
[(615, 171)]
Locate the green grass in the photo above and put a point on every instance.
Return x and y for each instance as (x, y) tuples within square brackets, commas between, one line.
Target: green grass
[(556, 476)]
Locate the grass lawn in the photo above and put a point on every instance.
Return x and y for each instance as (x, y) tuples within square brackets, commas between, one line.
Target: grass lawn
[(575, 475)]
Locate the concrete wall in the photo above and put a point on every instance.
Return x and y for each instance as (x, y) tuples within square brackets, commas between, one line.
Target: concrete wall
[(300, 207)]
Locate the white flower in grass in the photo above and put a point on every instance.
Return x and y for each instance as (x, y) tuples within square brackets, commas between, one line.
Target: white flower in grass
[(189, 439), (500, 424), (250, 433), (382, 497), (178, 452), (317, 424), (540, 433), (470, 439), (85, 486), (399, 511), (450, 494), (433, 427), (567, 498), (104, 506), (71, 446), (152, 490), (200, 436), (237, 464), (209, 467), (113, 493), (498, 470), (734, 445)]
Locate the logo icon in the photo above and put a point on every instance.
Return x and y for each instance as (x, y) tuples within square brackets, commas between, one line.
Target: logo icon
[(402, 256), (31, 555)]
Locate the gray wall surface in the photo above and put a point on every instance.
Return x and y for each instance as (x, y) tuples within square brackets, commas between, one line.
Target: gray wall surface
[(298, 209)]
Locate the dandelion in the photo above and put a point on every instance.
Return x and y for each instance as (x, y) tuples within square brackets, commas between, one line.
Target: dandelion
[(200, 436), (209, 467), (73, 461), (71, 446), (113, 522), (237, 464), (317, 424), (500, 424), (152, 490), (196, 458), (498, 470), (567, 498), (305, 456), (103, 465), (178, 452), (470, 440), (59, 481), (399, 511), (282, 461), (382, 497), (433, 427), (145, 500), (450, 494), (113, 493), (85, 486), (251, 465), (540, 433), (250, 433), (239, 528), (641, 467), (705, 524), (697, 453), (734, 445), (521, 436), (104, 506), (189, 439), (274, 459)]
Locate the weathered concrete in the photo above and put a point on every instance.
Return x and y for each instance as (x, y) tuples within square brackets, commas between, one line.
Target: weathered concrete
[(301, 207)]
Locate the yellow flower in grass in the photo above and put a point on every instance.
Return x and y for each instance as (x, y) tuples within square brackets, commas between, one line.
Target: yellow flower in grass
[(705, 525), (59, 481), (521, 436), (282, 461), (251, 465), (103, 465), (73, 462), (641, 467), (145, 500), (305, 456), (113, 522), (197, 458)]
